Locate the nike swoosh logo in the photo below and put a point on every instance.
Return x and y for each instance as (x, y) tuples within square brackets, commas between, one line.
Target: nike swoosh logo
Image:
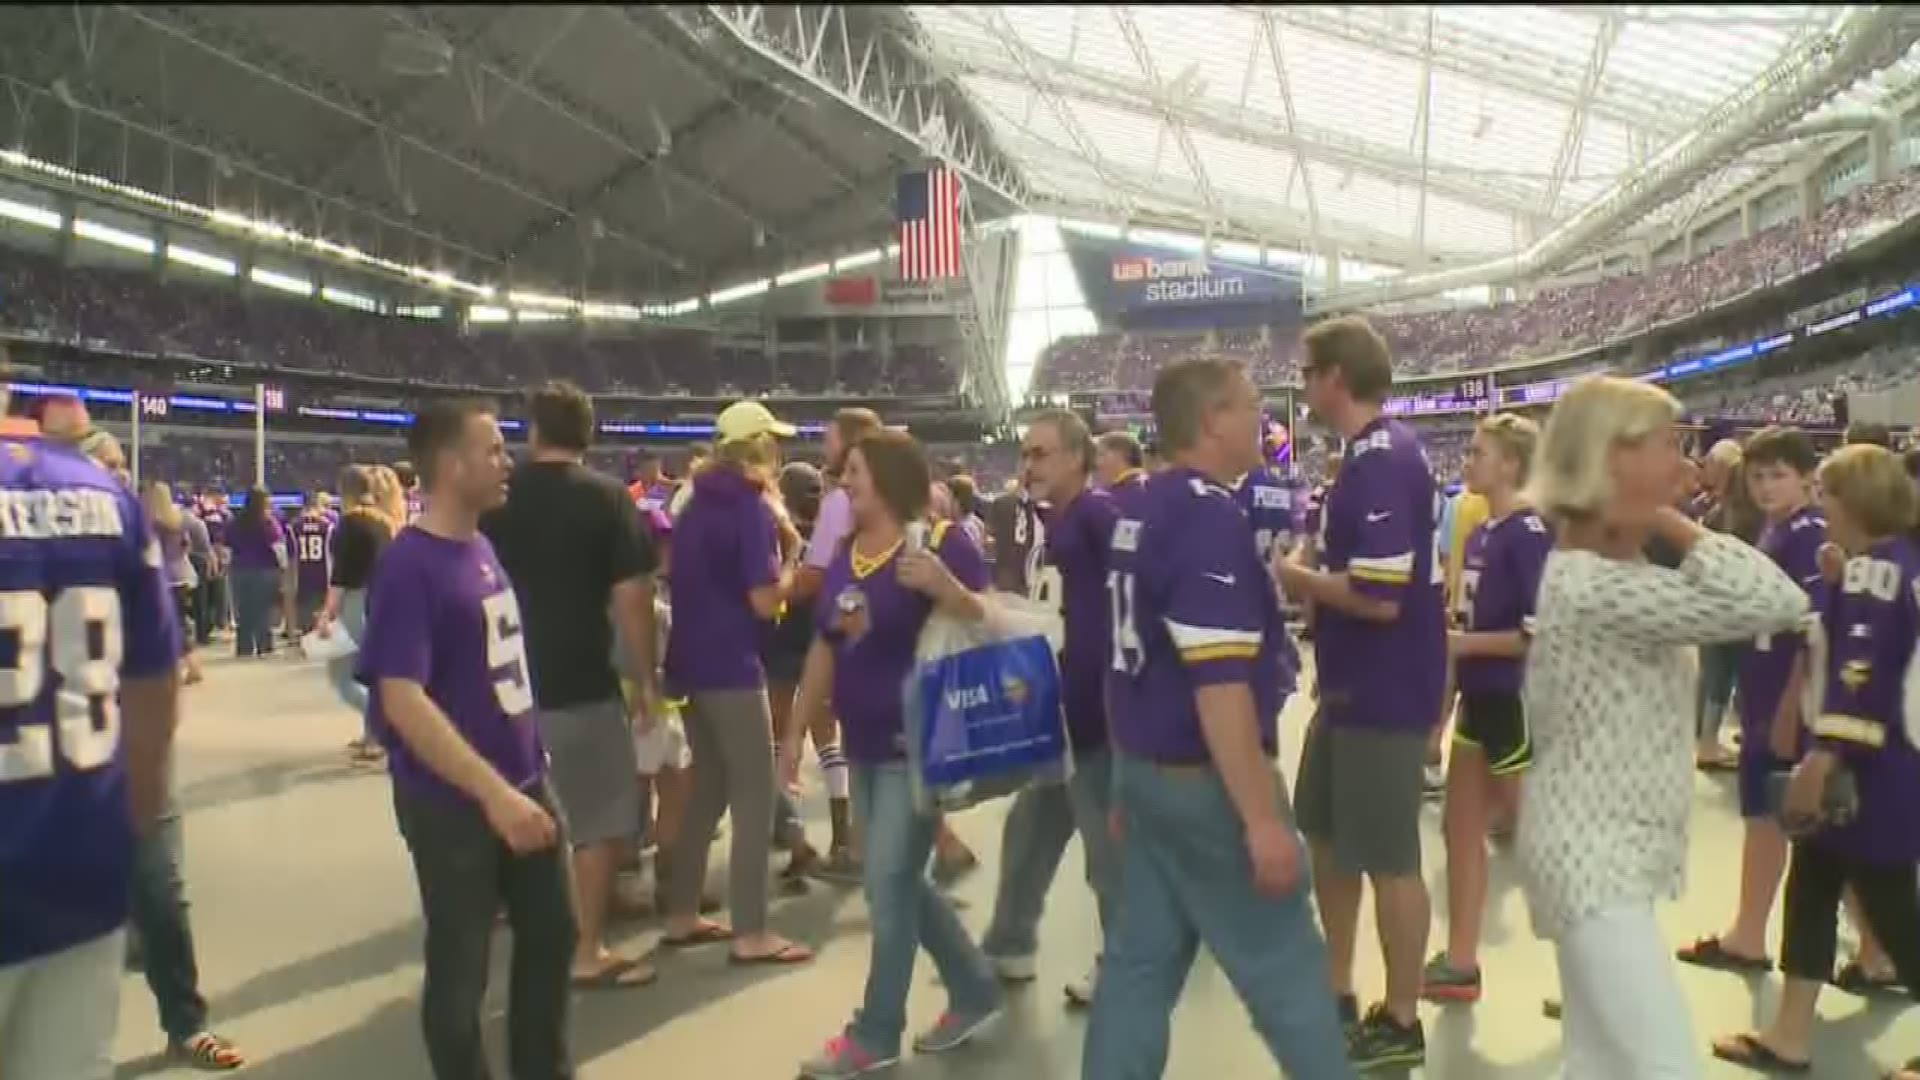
[(1224, 579), (1379, 517)]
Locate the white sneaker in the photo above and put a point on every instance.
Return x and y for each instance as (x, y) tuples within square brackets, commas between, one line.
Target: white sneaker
[(1080, 991), (1016, 969)]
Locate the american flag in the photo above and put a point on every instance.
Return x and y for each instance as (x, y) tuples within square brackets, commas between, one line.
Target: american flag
[(928, 214)]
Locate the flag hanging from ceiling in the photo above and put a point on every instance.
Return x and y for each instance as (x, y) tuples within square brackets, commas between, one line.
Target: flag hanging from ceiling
[(927, 212)]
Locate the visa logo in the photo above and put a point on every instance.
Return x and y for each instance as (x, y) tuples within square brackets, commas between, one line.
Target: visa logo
[(968, 697)]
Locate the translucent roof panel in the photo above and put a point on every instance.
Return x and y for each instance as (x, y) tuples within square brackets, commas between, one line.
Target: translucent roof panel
[(1323, 125)]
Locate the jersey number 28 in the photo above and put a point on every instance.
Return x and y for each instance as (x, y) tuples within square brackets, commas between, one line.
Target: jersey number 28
[(77, 635)]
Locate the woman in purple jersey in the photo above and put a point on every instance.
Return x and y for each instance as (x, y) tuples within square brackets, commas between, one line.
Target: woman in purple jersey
[(259, 551), (877, 594), (1864, 732)]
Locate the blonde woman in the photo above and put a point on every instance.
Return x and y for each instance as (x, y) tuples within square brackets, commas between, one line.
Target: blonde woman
[(170, 528), (364, 531), (731, 575), (1608, 696), (388, 497)]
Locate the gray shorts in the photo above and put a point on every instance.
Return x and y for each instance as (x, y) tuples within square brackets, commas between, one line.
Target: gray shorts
[(1359, 792), (595, 775)]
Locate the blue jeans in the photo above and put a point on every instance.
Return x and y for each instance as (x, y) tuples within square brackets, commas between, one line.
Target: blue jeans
[(353, 620), (166, 937), (1719, 674), (1185, 878), (907, 913), (254, 592), (1038, 828)]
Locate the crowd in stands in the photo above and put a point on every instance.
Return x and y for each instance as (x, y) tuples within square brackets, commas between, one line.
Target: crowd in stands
[(142, 312), (1549, 322)]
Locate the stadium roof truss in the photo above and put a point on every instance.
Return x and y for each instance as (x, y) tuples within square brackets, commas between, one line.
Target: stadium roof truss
[(1418, 136), (625, 153)]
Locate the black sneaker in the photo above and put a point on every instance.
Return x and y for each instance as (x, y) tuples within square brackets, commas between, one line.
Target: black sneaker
[(1380, 1042), (1349, 1009)]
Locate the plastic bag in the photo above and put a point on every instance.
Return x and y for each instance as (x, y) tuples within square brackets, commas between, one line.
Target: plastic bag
[(983, 713)]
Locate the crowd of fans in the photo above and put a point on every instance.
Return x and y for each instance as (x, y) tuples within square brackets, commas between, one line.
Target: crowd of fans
[(1549, 322), (142, 312)]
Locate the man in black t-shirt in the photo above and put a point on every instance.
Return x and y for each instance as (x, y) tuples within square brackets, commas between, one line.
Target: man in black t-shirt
[(574, 551)]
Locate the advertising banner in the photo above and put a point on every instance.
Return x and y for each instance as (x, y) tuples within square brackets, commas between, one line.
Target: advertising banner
[(1137, 285)]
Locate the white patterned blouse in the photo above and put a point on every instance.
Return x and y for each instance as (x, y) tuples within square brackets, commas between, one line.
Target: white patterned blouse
[(1610, 699)]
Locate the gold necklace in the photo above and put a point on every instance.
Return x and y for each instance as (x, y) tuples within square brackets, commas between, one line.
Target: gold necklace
[(864, 566)]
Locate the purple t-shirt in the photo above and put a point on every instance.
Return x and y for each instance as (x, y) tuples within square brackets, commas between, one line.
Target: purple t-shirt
[(726, 544), (1872, 621), (1073, 577), (312, 554), (80, 587), (1274, 509), (1499, 581), (873, 623), (255, 546), (1794, 546), (1378, 529), (1193, 606), (441, 613)]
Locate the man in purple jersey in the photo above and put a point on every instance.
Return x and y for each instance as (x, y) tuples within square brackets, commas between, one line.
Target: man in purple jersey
[(1779, 465), (453, 701), (1199, 667), (1072, 578), (1120, 463), (1377, 601), (312, 540), (88, 636)]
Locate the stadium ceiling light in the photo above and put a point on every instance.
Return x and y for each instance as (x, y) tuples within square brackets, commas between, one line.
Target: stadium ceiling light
[(596, 310), (287, 283), (864, 258), (805, 273), (28, 214), (349, 299), (485, 313), (541, 300), (537, 316), (739, 292), (201, 260), (89, 229)]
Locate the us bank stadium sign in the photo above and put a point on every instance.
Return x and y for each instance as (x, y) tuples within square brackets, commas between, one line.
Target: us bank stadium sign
[(1145, 280)]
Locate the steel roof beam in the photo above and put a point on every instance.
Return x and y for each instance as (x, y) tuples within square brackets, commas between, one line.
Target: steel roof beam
[(248, 56), (1143, 56), (1249, 125), (1575, 136), (878, 82), (1647, 108), (1270, 33)]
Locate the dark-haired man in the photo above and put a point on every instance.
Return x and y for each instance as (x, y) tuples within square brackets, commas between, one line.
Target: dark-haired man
[(1378, 599), (1199, 667), (453, 700), (1120, 463), (579, 560)]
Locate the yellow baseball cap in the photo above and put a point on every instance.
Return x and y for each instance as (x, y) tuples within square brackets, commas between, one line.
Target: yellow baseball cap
[(747, 419)]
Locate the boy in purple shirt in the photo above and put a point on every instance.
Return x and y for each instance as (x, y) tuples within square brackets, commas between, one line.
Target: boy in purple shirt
[(1071, 576), (1778, 465), (453, 701), (1199, 665), (1377, 600), (1499, 578), (1871, 624), (311, 538), (90, 645)]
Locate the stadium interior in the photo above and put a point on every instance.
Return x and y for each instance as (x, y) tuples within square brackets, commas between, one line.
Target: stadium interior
[(255, 239)]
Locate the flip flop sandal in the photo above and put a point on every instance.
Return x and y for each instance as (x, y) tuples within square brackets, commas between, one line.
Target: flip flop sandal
[(1749, 1051), (1854, 979), (210, 1053), (622, 974), (790, 953), (1708, 952), (707, 933)]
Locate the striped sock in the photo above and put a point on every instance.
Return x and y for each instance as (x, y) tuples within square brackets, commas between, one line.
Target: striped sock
[(834, 765)]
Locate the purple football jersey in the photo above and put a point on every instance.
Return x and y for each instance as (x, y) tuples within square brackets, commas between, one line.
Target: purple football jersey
[(1794, 546), (442, 614), (312, 540), (1872, 621), (727, 545), (83, 604), (1499, 580), (872, 623), (1274, 509), (1073, 577), (1378, 529), (1192, 606)]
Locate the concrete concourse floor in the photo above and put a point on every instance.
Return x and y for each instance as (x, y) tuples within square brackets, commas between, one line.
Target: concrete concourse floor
[(309, 941)]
